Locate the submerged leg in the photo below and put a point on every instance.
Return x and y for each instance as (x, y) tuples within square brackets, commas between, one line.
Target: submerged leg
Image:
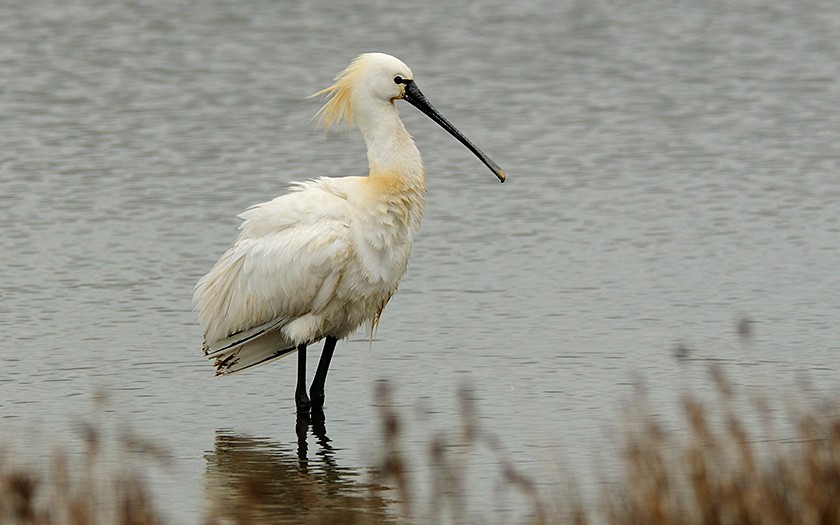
[(317, 390), (301, 399)]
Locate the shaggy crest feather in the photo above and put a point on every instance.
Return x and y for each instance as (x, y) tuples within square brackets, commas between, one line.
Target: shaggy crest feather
[(339, 106)]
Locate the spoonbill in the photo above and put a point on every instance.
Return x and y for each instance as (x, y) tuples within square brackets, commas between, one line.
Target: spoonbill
[(321, 260)]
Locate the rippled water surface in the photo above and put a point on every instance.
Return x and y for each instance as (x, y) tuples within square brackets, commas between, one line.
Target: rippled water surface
[(673, 168)]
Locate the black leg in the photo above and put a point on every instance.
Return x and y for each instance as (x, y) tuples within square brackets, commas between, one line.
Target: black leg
[(301, 399), (317, 390)]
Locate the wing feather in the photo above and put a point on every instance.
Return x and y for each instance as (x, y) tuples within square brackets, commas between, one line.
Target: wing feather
[(288, 250)]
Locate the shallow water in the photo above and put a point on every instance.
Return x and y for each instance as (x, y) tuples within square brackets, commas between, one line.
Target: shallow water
[(673, 168)]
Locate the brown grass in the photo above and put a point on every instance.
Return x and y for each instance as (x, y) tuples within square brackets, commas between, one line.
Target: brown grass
[(87, 493), (722, 466), (717, 472)]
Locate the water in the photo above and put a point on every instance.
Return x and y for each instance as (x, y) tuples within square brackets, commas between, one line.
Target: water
[(673, 168)]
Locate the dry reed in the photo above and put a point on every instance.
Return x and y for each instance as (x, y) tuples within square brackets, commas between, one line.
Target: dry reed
[(89, 491), (714, 470)]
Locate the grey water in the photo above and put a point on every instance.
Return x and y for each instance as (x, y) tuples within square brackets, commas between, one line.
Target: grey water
[(673, 171)]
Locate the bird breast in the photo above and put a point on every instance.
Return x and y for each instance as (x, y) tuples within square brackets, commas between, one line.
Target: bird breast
[(384, 227), (381, 235)]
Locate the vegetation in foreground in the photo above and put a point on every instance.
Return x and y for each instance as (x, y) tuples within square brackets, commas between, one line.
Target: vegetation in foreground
[(714, 470)]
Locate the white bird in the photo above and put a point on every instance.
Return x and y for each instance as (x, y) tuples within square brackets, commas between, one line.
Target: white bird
[(326, 257)]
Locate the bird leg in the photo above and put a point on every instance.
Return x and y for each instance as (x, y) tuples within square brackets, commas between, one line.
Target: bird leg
[(301, 399), (317, 390)]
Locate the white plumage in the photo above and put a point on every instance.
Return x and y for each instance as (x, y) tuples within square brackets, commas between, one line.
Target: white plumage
[(326, 257)]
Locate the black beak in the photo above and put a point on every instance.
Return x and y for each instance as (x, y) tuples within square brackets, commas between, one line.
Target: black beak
[(415, 97)]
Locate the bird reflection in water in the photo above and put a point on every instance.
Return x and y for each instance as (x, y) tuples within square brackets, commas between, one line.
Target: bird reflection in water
[(255, 480)]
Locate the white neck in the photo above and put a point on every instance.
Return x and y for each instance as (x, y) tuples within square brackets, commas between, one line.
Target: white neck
[(389, 146)]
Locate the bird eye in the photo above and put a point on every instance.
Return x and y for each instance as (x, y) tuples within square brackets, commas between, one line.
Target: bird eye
[(399, 80)]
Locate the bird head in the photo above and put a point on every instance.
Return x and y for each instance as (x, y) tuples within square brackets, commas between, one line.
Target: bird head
[(377, 78), (374, 76)]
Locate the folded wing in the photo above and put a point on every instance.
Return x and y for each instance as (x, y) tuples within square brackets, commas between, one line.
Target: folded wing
[(285, 264)]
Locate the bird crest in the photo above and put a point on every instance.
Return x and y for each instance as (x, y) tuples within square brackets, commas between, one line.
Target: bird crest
[(338, 109)]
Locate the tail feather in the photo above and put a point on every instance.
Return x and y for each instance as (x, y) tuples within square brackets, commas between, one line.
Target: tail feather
[(228, 343), (255, 352), (249, 348)]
